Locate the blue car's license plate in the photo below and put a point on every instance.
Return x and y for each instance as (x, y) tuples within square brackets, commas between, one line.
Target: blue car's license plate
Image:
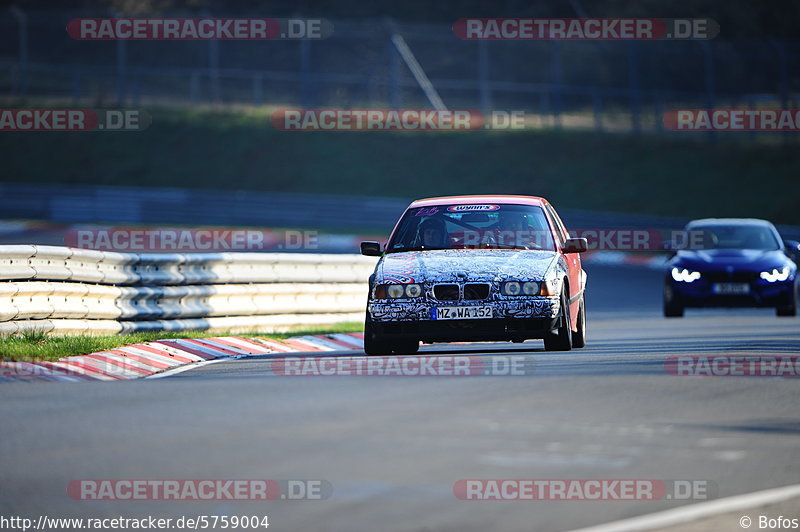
[(731, 288)]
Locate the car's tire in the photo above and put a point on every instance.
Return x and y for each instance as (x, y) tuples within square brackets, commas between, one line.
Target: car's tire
[(406, 347), (579, 336), (672, 305), (789, 309), (561, 338), (373, 343)]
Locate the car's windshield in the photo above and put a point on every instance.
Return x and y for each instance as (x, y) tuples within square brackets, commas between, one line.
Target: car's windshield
[(473, 226), (739, 236)]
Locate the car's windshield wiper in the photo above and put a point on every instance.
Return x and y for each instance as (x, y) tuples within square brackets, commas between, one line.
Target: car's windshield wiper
[(415, 248), (502, 246)]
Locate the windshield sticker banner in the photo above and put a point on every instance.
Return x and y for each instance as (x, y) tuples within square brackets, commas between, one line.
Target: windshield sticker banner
[(471, 208)]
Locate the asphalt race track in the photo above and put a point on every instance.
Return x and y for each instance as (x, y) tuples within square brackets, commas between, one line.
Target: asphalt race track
[(393, 447)]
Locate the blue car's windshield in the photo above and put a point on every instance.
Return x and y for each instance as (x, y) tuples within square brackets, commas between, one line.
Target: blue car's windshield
[(738, 236), (470, 226)]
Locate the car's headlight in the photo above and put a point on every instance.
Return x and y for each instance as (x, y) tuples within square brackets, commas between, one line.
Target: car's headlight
[(530, 288), (413, 290), (396, 291), (516, 288), (775, 275), (685, 276), (512, 288)]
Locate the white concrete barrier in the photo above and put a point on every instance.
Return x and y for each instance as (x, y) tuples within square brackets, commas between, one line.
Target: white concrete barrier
[(74, 291)]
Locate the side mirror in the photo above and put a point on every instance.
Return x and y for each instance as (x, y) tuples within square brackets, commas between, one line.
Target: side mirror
[(371, 249), (575, 245), (792, 248)]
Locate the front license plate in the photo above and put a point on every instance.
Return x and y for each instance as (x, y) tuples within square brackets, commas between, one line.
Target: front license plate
[(731, 288), (461, 313)]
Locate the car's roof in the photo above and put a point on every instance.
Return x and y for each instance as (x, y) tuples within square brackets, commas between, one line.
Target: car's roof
[(730, 221), (471, 200)]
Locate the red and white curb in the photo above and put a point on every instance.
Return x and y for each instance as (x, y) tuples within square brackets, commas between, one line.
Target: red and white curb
[(163, 357)]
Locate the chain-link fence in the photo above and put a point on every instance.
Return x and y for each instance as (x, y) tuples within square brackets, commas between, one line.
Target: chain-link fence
[(605, 85)]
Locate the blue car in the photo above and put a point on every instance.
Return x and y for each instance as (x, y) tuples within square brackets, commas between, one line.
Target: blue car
[(731, 262)]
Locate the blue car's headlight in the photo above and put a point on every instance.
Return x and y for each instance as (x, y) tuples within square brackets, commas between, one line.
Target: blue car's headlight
[(775, 275), (685, 276)]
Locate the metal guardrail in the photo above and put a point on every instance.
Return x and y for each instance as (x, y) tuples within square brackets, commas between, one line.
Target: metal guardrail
[(143, 205), (67, 290), (150, 205)]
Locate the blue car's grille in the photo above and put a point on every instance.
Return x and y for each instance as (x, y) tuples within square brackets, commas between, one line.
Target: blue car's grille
[(732, 277)]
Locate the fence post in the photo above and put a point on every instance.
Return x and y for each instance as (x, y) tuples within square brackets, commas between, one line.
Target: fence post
[(305, 74), (394, 75), (213, 70), (76, 87), (708, 61), (22, 20), (635, 92), (258, 89), (121, 72), (194, 87), (558, 81), (483, 77), (137, 89), (658, 103), (544, 103), (783, 69), (597, 106)]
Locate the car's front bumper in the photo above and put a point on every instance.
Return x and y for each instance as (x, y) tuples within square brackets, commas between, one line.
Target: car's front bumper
[(482, 330), (390, 310), (761, 294), (516, 318)]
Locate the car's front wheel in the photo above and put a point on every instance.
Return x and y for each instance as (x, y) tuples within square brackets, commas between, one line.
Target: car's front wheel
[(789, 309), (560, 339), (579, 336), (672, 305), (375, 344)]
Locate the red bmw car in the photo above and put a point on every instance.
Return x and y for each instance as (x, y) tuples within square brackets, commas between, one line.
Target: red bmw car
[(476, 268)]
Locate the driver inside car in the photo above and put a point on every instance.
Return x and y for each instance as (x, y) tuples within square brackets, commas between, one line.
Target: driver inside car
[(513, 229), (433, 233)]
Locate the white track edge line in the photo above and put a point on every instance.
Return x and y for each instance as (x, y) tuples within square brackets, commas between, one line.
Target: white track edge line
[(693, 512), (186, 367)]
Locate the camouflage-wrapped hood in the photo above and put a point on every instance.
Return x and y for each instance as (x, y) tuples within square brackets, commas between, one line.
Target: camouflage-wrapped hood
[(453, 265)]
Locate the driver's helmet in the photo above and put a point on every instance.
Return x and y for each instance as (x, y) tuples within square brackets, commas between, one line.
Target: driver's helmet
[(512, 220), (432, 233)]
